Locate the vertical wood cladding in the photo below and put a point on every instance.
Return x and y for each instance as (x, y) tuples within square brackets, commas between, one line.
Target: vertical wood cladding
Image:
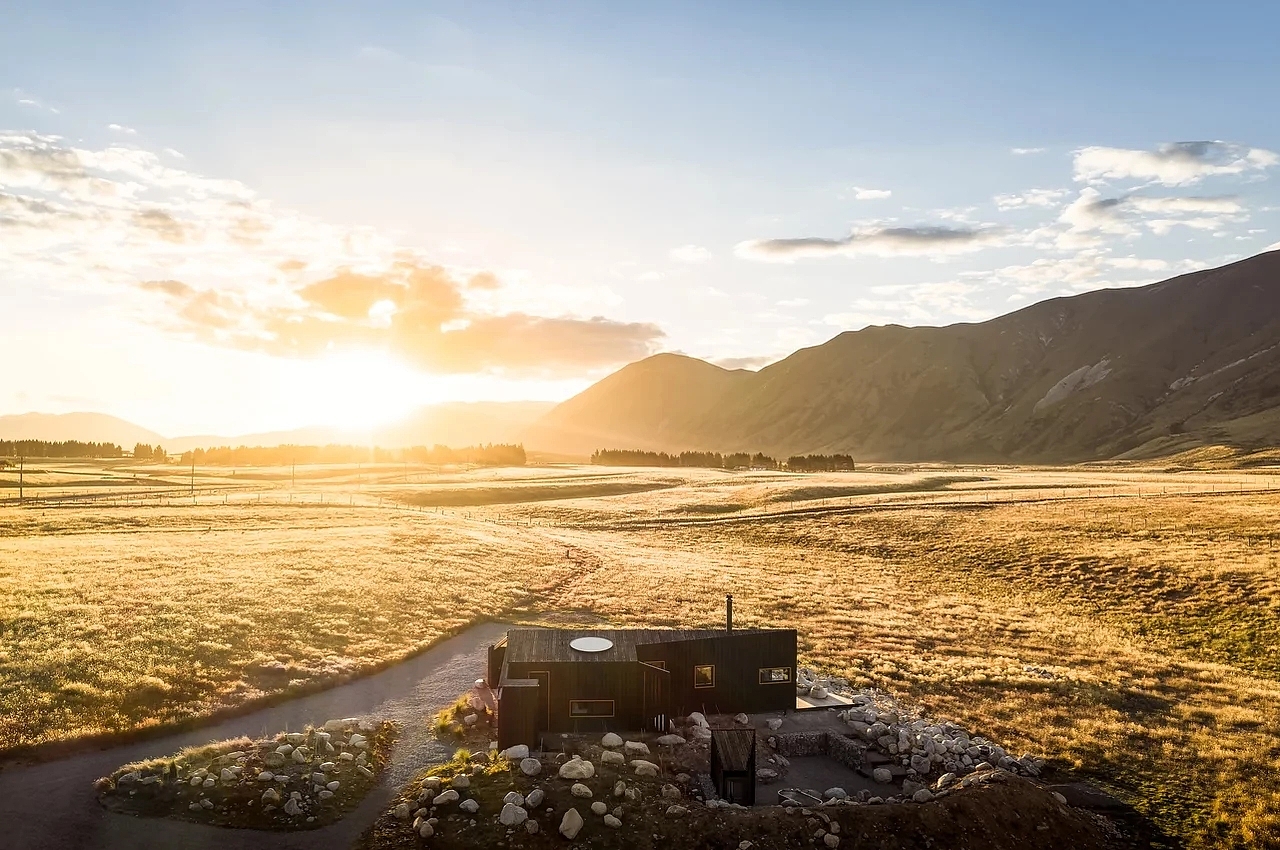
[(648, 677)]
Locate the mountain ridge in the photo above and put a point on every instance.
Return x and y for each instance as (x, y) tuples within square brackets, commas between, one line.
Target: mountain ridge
[(1112, 372)]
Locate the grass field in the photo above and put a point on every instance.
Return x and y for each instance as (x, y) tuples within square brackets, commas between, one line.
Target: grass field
[(1123, 621)]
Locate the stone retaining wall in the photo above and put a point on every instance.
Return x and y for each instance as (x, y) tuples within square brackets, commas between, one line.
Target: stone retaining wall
[(836, 746)]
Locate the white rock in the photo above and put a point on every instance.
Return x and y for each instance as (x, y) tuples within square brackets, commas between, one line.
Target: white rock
[(265, 776), (612, 757), (835, 794), (818, 692), (576, 768), (636, 748), (676, 811), (469, 806), (358, 740), (531, 826), (512, 815), (530, 767), (299, 756), (449, 796), (670, 741), (324, 794), (1061, 799), (461, 781), (327, 766), (599, 808), (743, 719), (671, 792), (645, 768), (699, 719), (944, 780), (226, 775), (611, 741), (924, 795), (196, 780), (831, 840), (295, 738), (271, 795), (470, 720), (319, 779), (882, 775), (426, 830), (345, 757), (611, 821), (515, 798), (364, 770), (534, 798), (699, 733), (209, 782), (481, 683), (519, 751), (401, 811), (571, 824), (334, 785), (580, 790), (291, 807)]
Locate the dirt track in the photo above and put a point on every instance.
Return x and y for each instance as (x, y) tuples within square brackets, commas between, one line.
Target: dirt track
[(52, 806)]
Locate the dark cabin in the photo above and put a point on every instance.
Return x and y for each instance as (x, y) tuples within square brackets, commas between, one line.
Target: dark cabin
[(733, 765), (586, 681)]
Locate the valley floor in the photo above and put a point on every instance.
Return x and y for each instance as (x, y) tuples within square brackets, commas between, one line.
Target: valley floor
[(1123, 621)]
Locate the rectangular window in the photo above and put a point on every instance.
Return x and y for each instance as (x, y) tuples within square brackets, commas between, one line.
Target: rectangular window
[(704, 676), (775, 675), (591, 708)]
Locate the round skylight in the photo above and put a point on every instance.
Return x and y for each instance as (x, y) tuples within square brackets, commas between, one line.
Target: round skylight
[(591, 644)]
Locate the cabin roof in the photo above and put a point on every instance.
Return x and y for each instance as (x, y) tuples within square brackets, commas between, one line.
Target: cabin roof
[(539, 644)]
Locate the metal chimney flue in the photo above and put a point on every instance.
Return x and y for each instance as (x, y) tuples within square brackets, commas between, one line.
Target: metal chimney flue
[(728, 612)]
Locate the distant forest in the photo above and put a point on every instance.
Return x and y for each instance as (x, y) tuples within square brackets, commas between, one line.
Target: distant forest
[(491, 454), (69, 448), (715, 460)]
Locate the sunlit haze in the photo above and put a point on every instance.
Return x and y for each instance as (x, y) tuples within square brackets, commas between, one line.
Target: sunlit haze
[(222, 221)]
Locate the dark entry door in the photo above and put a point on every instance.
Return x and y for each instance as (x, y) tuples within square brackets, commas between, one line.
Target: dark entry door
[(656, 700), (543, 678)]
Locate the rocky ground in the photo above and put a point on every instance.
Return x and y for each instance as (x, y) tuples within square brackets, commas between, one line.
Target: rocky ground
[(297, 780), (642, 793)]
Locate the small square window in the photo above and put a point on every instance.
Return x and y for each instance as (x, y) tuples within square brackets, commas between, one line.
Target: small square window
[(704, 676), (591, 708), (775, 675)]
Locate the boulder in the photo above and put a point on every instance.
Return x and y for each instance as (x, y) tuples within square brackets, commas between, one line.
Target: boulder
[(699, 734), (774, 723), (449, 796), (580, 790), (576, 768), (831, 840), (426, 830), (327, 766), (358, 740), (635, 748), (571, 824), (613, 758), (924, 795), (671, 792), (469, 806), (531, 826), (818, 692), (743, 719), (599, 808), (530, 767), (432, 782), (274, 760), (401, 811), (295, 738), (512, 815), (291, 807), (699, 719), (882, 775), (944, 780), (670, 741), (676, 811), (611, 821), (265, 776), (633, 794), (645, 768), (516, 753), (226, 776), (271, 795), (611, 741), (513, 798), (470, 720), (319, 778), (299, 756), (325, 794), (534, 798), (835, 794), (461, 781), (619, 788), (334, 785), (766, 774), (364, 770)]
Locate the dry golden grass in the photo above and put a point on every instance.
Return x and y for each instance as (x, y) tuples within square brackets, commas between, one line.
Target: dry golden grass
[(1132, 640)]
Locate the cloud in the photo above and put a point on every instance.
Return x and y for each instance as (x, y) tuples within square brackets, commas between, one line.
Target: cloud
[(861, 193), (120, 128), (1224, 204), (1176, 164), (690, 254), (1030, 198), (875, 241), (1025, 151), (207, 259), (1091, 214)]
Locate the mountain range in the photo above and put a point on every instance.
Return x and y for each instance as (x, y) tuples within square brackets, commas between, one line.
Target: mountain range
[(1113, 373), (454, 424), (1132, 372)]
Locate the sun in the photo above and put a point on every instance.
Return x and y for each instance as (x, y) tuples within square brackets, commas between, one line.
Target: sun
[(359, 389)]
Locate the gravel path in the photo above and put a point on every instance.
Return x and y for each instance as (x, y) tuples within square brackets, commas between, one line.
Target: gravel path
[(52, 806)]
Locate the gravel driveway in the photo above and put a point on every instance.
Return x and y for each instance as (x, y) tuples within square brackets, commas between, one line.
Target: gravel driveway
[(52, 806)]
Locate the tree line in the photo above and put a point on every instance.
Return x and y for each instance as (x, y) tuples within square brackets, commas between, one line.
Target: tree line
[(715, 460), (144, 451), (66, 448), (489, 454)]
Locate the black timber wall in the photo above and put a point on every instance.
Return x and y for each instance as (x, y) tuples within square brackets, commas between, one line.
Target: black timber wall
[(620, 681), (737, 658), (518, 716)]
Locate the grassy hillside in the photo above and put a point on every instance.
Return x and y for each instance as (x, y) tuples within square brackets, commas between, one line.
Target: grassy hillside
[(1145, 371)]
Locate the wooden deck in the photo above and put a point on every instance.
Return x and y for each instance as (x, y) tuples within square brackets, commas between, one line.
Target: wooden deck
[(806, 703)]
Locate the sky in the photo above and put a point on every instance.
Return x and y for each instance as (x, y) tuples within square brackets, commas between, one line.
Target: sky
[(236, 217)]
